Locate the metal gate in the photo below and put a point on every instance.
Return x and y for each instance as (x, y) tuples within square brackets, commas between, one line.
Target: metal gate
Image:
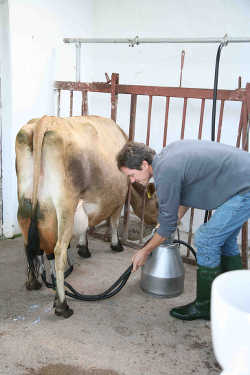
[(114, 89)]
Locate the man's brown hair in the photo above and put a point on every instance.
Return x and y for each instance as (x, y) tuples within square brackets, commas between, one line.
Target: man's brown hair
[(132, 155)]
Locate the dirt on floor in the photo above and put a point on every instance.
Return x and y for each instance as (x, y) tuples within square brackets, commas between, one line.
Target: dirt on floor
[(131, 333)]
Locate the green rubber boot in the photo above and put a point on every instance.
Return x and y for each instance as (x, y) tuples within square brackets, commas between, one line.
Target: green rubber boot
[(200, 308), (231, 263)]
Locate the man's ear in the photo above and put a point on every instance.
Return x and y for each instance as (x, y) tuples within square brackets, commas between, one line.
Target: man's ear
[(144, 164)]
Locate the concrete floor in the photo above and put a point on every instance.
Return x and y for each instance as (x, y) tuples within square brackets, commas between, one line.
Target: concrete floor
[(129, 334)]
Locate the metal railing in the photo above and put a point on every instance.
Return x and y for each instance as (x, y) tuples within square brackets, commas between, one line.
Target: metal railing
[(114, 89)]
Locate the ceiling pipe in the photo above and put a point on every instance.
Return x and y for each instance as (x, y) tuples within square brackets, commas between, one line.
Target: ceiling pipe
[(136, 41)]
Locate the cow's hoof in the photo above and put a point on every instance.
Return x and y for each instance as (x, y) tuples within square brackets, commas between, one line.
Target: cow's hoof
[(83, 251), (65, 314), (63, 309), (33, 284), (56, 301), (117, 248)]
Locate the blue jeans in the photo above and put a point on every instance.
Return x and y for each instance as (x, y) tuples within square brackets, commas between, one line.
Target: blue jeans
[(219, 235)]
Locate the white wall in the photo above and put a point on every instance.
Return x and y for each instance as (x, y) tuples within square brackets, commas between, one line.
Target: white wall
[(8, 178), (159, 64), (36, 30), (38, 56)]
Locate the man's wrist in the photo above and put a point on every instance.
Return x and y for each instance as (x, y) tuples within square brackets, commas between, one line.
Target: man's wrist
[(147, 251)]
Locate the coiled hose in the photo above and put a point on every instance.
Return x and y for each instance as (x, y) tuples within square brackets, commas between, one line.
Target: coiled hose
[(110, 292)]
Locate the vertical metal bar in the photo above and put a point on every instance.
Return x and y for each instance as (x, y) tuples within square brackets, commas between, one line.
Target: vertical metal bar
[(247, 116), (78, 61), (183, 118), (182, 64), (248, 99), (142, 217), (71, 103), (199, 137), (147, 143), (201, 118), (58, 102), (244, 232), (132, 117), (190, 232), (84, 103), (240, 126), (220, 120), (114, 95), (245, 123), (149, 119), (166, 122), (191, 220), (239, 82), (244, 245), (131, 138), (244, 126), (126, 214)]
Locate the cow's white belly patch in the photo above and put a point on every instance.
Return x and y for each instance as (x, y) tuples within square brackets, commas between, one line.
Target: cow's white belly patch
[(81, 221), (90, 208)]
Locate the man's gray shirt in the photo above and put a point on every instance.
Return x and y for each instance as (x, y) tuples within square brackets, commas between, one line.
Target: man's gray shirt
[(199, 174)]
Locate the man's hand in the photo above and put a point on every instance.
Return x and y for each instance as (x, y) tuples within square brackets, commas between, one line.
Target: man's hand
[(139, 259), (141, 255)]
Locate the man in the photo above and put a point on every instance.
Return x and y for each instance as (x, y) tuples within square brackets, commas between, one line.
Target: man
[(200, 174)]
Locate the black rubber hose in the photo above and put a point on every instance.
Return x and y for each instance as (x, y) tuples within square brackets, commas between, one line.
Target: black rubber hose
[(216, 76), (187, 245), (110, 292), (119, 284), (51, 285)]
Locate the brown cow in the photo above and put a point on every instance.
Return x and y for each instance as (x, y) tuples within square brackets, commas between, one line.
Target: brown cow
[(68, 180)]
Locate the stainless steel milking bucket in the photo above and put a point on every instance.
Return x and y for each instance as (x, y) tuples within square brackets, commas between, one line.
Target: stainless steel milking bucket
[(163, 273)]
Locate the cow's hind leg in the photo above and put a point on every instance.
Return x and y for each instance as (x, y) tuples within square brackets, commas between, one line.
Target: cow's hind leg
[(65, 228), (116, 244)]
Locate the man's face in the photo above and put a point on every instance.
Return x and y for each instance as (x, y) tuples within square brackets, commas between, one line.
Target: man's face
[(141, 176)]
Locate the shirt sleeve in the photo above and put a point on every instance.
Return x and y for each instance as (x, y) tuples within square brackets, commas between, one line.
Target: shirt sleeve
[(168, 188)]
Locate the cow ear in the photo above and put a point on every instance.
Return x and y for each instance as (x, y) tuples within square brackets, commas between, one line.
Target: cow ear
[(150, 190)]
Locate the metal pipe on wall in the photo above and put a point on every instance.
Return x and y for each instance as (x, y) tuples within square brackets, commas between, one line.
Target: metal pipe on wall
[(136, 41)]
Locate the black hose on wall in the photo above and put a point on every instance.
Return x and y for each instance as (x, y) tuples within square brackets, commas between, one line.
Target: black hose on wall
[(216, 76)]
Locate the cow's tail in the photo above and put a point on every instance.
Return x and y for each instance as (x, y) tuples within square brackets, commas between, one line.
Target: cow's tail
[(33, 243)]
